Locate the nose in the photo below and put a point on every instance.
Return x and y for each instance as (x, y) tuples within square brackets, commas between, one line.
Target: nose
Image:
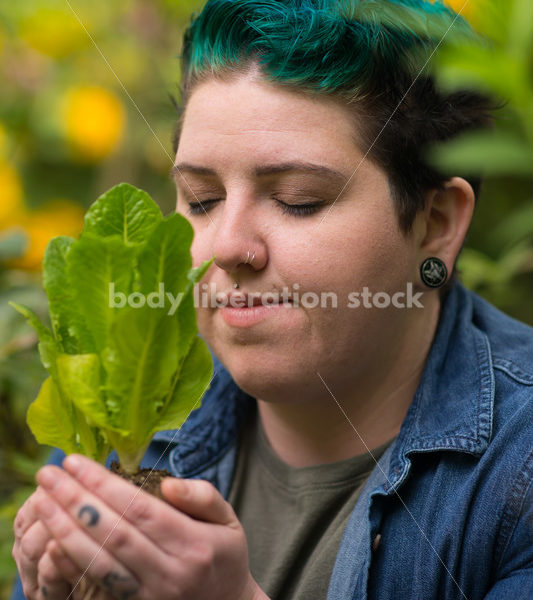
[(239, 241)]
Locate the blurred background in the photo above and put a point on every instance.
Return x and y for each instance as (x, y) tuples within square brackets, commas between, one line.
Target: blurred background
[(69, 131)]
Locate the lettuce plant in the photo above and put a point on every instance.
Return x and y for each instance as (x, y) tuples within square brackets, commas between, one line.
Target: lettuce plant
[(123, 356)]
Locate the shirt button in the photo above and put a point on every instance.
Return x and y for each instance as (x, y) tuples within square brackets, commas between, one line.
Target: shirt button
[(376, 542)]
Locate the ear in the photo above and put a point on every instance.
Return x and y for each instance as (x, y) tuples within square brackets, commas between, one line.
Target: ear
[(447, 217)]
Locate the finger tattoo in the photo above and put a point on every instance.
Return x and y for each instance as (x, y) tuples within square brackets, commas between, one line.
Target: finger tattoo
[(92, 514), (120, 586), (44, 591)]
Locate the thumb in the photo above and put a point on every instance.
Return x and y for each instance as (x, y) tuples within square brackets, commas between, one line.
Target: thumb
[(199, 499)]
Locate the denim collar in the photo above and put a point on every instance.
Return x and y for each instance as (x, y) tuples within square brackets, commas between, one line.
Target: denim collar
[(452, 408), (453, 405)]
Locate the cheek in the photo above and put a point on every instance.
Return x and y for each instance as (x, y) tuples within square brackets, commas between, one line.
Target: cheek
[(366, 254), (200, 249), (297, 260), (196, 251)]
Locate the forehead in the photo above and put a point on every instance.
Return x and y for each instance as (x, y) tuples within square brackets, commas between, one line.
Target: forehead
[(246, 116)]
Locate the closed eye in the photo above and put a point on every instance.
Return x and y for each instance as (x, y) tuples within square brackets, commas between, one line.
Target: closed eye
[(299, 210), (200, 208)]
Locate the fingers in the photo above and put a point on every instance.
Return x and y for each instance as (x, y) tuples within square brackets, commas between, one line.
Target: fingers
[(86, 555), (132, 544), (79, 584), (62, 562), (26, 516), (31, 548), (51, 582), (77, 518), (31, 538), (151, 516), (199, 499)]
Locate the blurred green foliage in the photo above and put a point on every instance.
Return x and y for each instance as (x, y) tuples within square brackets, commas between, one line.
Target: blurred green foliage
[(20, 376), (498, 259), (69, 130)]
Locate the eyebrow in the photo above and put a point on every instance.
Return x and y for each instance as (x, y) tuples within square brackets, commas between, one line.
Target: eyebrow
[(264, 171)]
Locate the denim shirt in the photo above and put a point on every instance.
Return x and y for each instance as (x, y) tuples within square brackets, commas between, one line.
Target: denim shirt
[(448, 510)]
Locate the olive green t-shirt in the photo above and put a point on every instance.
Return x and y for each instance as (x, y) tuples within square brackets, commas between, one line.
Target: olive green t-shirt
[(294, 518)]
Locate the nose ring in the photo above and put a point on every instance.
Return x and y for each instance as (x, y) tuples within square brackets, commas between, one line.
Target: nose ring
[(249, 260)]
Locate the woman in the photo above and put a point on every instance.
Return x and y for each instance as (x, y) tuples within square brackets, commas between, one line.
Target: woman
[(368, 431)]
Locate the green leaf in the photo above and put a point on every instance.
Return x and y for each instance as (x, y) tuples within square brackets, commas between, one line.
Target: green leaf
[(190, 385), (123, 211), (186, 325), (48, 347), (187, 311), (140, 363), (517, 259), (147, 344), (69, 326), (516, 226), (166, 257), (79, 379), (520, 42), (126, 360), (490, 153), (480, 271), (51, 420), (130, 450), (197, 273), (100, 271), (481, 68), (493, 17)]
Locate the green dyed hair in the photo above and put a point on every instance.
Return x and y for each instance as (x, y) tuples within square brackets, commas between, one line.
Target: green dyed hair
[(371, 54)]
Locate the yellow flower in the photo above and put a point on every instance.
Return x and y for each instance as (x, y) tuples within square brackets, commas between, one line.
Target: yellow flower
[(467, 8), (59, 217), (11, 204), (94, 120), (53, 32)]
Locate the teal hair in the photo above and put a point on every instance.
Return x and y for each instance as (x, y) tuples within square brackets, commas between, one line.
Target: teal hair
[(336, 46)]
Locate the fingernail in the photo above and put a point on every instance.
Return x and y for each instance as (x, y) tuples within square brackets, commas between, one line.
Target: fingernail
[(174, 485), (48, 478), (72, 463)]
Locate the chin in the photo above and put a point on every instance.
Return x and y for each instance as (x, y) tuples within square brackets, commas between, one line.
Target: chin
[(254, 376), (270, 382)]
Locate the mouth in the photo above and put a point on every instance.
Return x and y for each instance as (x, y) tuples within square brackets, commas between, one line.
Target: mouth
[(245, 300), (246, 310)]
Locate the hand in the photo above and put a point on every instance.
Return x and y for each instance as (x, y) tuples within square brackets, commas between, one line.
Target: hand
[(29, 552), (134, 545)]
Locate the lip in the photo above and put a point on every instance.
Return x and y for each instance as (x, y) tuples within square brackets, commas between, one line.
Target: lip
[(246, 300), (242, 300), (246, 316)]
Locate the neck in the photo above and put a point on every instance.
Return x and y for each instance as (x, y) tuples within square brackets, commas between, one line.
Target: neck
[(336, 423)]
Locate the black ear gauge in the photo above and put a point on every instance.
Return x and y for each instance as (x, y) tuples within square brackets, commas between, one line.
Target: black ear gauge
[(433, 272)]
